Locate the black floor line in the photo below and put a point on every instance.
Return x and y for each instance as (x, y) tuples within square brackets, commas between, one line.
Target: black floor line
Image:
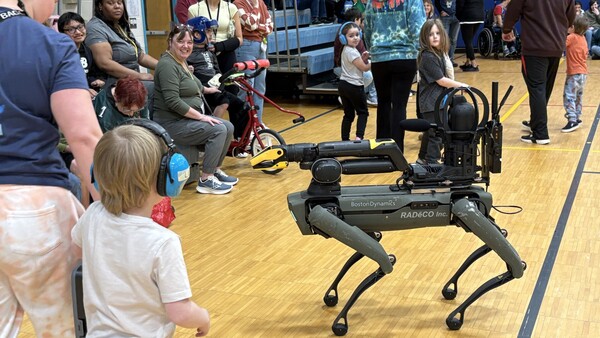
[(591, 172), (310, 119), (539, 291)]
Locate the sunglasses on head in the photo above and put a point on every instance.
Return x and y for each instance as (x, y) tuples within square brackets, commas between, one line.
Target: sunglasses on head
[(182, 27)]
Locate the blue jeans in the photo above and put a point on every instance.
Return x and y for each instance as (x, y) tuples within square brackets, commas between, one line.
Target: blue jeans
[(317, 7), (451, 25), (250, 50), (588, 36)]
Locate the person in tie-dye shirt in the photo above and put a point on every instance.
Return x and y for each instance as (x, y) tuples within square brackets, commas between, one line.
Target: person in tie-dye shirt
[(392, 33)]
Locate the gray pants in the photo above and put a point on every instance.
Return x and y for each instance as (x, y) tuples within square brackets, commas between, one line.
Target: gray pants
[(216, 139), (431, 145)]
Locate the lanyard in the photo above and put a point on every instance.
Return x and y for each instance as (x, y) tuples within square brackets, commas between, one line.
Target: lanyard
[(208, 9)]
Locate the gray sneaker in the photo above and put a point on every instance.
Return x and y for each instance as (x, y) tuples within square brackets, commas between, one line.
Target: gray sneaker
[(212, 185), (223, 177)]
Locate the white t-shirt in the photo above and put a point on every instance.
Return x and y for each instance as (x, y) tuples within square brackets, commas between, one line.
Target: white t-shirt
[(224, 16), (350, 73), (131, 266)]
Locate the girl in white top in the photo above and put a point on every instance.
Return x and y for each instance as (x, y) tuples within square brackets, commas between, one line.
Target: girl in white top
[(351, 86)]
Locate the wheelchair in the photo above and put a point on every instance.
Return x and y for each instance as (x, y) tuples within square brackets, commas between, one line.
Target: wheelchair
[(489, 40)]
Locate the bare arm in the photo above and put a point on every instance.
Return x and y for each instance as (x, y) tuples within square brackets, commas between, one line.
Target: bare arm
[(360, 64), (74, 113), (103, 57), (188, 314), (238, 27), (147, 61), (449, 83)]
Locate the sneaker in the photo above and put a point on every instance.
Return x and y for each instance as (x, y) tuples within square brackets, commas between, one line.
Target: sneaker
[(530, 139), (463, 66), (571, 126), (470, 68), (372, 102), (316, 22), (526, 126), (212, 185), (579, 122), (223, 177), (326, 21), (454, 64), (242, 154)]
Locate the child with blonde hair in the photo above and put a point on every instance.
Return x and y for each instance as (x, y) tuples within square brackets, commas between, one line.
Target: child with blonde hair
[(576, 74), (434, 78), (135, 280)]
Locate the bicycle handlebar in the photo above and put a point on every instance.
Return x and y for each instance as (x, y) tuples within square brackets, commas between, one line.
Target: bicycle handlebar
[(258, 65)]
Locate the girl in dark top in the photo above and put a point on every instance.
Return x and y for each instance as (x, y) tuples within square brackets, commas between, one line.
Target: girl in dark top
[(433, 81)]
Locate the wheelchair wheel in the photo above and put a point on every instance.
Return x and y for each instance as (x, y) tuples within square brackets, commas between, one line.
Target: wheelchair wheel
[(485, 42), (267, 138)]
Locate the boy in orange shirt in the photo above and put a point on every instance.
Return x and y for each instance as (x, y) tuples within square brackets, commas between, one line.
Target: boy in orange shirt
[(576, 74)]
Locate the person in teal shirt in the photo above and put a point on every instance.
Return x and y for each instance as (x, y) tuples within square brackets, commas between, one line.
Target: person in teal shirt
[(124, 100)]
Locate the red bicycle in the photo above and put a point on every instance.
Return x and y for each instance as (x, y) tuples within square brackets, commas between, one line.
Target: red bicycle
[(256, 135)]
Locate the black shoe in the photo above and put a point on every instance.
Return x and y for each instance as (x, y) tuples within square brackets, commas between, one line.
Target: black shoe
[(454, 64), (530, 139), (526, 126), (470, 68), (595, 57), (463, 66), (326, 21), (571, 126), (316, 22), (579, 122)]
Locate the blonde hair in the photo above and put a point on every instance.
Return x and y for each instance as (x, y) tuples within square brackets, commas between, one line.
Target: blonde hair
[(126, 164), (424, 39)]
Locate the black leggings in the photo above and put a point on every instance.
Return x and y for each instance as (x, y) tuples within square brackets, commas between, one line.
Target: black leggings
[(468, 31), (354, 101)]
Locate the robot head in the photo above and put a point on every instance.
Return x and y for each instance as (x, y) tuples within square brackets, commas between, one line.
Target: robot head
[(200, 25)]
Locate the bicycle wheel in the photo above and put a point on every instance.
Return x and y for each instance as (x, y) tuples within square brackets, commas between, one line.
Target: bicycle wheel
[(267, 138)]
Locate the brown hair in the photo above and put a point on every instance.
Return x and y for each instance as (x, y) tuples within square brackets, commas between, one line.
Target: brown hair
[(580, 25), (424, 39)]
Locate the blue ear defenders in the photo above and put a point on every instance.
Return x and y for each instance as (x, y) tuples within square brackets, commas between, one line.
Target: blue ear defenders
[(342, 36), (174, 168)]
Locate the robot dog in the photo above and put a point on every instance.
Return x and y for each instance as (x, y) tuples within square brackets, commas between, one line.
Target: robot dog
[(424, 196)]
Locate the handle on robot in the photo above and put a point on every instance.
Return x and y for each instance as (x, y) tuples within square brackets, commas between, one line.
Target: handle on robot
[(251, 65)]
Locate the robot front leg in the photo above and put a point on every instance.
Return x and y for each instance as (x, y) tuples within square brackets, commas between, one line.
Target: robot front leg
[(331, 296), (364, 244), (494, 239)]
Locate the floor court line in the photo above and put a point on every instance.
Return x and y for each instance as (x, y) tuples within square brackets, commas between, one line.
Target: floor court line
[(535, 303)]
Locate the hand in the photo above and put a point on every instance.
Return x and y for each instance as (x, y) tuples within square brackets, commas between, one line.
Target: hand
[(211, 90), (366, 56), (200, 333), (93, 93), (98, 83), (443, 14), (508, 36), (146, 76), (191, 68), (211, 120)]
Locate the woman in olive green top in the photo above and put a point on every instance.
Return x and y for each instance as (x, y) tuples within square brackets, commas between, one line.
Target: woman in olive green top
[(179, 108)]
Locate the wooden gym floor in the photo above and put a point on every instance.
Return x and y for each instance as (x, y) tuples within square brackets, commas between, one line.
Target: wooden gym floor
[(259, 277)]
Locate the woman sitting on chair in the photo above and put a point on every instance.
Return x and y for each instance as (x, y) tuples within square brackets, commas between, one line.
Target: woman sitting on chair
[(179, 108)]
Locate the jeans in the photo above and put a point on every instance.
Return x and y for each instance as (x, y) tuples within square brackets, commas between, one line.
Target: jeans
[(251, 50), (595, 51), (539, 74), (573, 96), (588, 36), (317, 7), (451, 25)]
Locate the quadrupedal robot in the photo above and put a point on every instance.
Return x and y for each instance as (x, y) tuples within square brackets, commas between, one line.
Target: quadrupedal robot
[(449, 193)]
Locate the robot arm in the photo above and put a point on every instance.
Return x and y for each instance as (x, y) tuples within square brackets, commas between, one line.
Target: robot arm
[(368, 156)]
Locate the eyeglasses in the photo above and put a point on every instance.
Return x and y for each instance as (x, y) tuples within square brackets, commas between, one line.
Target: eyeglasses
[(71, 30)]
